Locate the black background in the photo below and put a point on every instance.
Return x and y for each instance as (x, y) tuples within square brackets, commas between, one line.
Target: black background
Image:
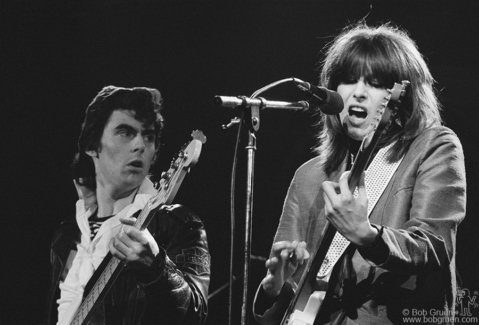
[(57, 55)]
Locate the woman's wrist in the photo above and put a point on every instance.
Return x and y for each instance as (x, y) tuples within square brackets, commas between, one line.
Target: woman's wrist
[(371, 237), (271, 290)]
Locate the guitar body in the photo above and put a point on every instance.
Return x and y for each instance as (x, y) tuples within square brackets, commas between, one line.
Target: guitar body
[(307, 302), (83, 307)]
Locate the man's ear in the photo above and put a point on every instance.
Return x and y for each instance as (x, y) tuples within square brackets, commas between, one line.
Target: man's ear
[(92, 153)]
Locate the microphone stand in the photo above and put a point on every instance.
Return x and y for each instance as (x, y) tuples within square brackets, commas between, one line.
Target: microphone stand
[(251, 117), (252, 122)]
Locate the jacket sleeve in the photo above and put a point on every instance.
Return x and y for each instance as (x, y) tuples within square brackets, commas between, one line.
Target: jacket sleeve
[(426, 242), (179, 292)]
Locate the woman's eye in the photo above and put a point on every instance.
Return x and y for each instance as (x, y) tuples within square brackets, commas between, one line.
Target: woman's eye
[(350, 80), (376, 83)]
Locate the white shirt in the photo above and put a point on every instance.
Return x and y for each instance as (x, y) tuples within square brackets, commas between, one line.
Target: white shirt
[(91, 253)]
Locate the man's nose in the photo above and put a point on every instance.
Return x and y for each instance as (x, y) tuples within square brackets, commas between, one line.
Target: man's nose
[(138, 143)]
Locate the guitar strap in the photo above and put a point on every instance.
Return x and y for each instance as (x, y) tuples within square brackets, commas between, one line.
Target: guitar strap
[(378, 175)]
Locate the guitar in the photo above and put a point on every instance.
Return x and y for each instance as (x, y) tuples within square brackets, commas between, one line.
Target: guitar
[(82, 309), (307, 302)]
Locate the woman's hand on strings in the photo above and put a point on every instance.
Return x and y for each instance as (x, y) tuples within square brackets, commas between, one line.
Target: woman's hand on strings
[(349, 215)]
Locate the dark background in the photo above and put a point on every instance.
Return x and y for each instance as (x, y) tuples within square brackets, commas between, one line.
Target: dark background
[(57, 55)]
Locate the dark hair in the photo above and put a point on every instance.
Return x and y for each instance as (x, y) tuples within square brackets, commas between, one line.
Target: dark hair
[(389, 55), (146, 103)]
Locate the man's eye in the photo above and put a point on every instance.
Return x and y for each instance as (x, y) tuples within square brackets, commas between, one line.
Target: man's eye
[(149, 138), (125, 133)]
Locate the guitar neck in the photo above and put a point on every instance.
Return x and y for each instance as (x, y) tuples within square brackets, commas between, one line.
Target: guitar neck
[(110, 269), (306, 285), (363, 157), (106, 274)]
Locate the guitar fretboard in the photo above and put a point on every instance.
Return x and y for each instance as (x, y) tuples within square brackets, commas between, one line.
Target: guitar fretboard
[(91, 299), (114, 266)]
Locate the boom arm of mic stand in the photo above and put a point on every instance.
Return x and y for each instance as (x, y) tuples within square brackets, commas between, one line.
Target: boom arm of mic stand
[(246, 102)]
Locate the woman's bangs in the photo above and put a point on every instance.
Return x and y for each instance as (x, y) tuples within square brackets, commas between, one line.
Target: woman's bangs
[(382, 68), (368, 61)]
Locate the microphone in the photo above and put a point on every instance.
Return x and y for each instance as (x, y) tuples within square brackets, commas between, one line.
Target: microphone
[(328, 101), (243, 101)]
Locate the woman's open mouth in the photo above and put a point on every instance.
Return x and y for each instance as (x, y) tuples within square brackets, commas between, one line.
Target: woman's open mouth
[(358, 112)]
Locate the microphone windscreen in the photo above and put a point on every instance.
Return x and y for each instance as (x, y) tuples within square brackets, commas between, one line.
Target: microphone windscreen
[(333, 104)]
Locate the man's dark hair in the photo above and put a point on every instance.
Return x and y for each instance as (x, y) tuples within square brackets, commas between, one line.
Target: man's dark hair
[(145, 103)]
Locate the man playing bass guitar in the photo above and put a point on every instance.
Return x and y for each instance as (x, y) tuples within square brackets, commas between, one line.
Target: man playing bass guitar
[(400, 255), (166, 265)]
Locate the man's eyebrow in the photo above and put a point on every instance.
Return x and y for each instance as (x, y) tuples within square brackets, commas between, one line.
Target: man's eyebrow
[(147, 131), (126, 127)]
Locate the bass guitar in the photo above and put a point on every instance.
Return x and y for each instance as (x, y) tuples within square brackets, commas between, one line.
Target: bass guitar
[(307, 302), (82, 309)]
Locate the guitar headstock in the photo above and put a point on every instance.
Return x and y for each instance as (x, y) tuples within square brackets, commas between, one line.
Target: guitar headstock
[(383, 115), (198, 135), (185, 159)]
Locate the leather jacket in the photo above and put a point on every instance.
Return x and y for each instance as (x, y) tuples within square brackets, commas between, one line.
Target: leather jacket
[(177, 296)]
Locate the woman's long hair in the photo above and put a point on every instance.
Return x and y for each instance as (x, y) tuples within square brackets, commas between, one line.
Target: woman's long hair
[(388, 55)]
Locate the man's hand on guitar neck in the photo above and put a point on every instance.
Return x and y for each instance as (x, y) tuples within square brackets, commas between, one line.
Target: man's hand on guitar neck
[(349, 215), (287, 256), (134, 247)]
